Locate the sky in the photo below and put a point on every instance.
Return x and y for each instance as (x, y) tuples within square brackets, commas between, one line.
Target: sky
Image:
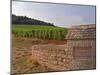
[(63, 15)]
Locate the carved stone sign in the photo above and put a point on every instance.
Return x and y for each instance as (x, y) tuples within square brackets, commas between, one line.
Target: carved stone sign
[(81, 53)]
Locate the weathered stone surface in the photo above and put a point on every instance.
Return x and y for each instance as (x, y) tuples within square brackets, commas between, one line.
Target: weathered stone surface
[(82, 32)]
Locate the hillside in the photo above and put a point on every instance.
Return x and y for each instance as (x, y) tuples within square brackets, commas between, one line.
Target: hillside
[(28, 21)]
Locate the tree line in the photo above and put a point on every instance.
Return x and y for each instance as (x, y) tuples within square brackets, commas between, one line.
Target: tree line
[(28, 21)]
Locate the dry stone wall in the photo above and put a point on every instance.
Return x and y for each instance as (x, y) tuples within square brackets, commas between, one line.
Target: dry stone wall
[(79, 52), (54, 56)]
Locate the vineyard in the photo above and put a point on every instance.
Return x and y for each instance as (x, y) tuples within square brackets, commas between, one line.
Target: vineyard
[(24, 37), (40, 32)]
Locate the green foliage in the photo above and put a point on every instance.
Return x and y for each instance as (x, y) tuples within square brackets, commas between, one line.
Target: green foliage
[(41, 32), (28, 21)]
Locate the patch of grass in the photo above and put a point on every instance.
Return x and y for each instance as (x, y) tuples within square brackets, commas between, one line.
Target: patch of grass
[(24, 64)]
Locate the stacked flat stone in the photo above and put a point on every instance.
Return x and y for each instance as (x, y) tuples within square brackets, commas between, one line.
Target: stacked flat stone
[(82, 32)]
